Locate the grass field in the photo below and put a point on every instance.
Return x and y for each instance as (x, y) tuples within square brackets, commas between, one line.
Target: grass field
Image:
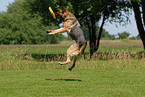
[(116, 70)]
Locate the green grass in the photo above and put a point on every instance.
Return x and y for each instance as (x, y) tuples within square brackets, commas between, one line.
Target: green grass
[(123, 82), (32, 71)]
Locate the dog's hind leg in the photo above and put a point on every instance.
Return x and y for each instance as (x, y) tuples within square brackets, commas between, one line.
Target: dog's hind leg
[(78, 56), (70, 51), (68, 57), (74, 61), (82, 49)]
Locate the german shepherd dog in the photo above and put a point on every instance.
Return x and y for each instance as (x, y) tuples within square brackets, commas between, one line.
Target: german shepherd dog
[(72, 27)]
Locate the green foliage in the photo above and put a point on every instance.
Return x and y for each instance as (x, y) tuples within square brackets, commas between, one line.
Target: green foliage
[(133, 38), (113, 10), (84, 10), (125, 40), (25, 21), (138, 36), (123, 35), (41, 8), (17, 26), (106, 36)]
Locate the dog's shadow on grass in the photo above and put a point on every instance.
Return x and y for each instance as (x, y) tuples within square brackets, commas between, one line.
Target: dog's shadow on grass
[(77, 80)]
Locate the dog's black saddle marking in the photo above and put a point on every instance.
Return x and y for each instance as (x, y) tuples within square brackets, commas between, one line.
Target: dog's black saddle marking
[(76, 34)]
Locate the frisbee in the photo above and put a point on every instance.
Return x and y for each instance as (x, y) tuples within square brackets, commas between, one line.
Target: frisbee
[(51, 11)]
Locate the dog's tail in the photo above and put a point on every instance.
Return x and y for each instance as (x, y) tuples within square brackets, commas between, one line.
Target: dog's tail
[(83, 48)]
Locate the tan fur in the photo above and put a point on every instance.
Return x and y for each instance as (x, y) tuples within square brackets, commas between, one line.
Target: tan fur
[(58, 31), (73, 52)]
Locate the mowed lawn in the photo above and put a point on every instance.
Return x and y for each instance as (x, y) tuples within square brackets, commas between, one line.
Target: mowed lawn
[(116, 70)]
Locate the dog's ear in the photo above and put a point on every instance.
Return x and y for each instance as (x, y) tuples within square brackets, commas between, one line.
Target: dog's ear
[(64, 9)]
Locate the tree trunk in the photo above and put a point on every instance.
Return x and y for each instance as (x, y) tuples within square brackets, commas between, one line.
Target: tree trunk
[(100, 33), (91, 22), (139, 21), (93, 37), (143, 9)]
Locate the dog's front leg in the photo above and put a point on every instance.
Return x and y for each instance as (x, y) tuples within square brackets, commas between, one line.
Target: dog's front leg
[(60, 30)]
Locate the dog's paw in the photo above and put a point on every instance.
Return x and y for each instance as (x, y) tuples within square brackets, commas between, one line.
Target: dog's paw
[(60, 63), (69, 69), (48, 31)]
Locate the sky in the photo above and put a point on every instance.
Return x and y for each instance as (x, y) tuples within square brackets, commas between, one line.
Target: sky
[(111, 28), (4, 4), (130, 27)]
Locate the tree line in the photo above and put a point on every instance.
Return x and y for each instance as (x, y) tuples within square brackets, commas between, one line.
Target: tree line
[(22, 25), (25, 21), (18, 26)]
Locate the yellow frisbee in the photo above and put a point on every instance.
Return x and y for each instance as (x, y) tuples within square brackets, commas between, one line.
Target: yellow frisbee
[(51, 11)]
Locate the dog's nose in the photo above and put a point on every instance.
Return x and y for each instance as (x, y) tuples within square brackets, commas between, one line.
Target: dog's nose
[(47, 31)]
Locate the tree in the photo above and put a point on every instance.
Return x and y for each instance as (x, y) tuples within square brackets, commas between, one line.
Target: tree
[(106, 36), (138, 36), (89, 13), (139, 11), (17, 26), (41, 8), (123, 35)]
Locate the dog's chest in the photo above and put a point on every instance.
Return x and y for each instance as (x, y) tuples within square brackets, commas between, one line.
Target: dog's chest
[(69, 23), (73, 34)]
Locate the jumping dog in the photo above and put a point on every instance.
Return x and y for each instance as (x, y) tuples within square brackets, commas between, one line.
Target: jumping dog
[(72, 27)]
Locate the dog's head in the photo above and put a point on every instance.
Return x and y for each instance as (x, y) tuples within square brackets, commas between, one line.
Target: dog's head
[(62, 13)]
